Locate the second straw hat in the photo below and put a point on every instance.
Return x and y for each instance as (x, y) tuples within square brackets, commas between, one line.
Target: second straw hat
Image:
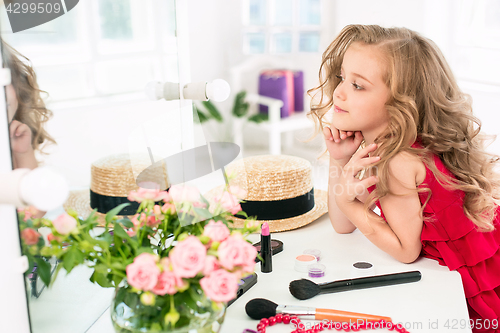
[(280, 191)]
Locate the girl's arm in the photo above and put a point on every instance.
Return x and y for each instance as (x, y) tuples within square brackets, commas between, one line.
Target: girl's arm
[(400, 235), (341, 146), (339, 221)]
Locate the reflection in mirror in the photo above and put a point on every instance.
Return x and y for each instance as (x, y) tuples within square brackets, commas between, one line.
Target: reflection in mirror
[(94, 62)]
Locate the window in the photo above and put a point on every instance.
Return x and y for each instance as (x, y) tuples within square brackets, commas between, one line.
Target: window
[(281, 26), (101, 49), (476, 41)]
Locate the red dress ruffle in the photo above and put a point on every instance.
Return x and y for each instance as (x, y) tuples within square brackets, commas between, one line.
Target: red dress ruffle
[(452, 239)]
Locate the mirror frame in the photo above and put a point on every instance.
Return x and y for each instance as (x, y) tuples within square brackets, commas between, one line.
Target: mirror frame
[(15, 316)]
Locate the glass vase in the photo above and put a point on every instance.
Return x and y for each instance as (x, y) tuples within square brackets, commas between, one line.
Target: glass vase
[(196, 312)]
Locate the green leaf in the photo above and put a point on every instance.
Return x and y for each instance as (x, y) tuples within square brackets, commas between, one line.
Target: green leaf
[(131, 299), (198, 116), (258, 118), (112, 213), (72, 258), (212, 110), (120, 232), (202, 212), (100, 279), (43, 269), (240, 107), (126, 223)]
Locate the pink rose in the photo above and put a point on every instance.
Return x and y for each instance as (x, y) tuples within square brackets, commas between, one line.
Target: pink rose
[(146, 258), (217, 231), (188, 257), (143, 272), (152, 221), (64, 224), (166, 284), (230, 203), (158, 213), (181, 193), (211, 264), (139, 221), (28, 212), (235, 251), (220, 286), (168, 207), (237, 191), (30, 236), (51, 237), (165, 263), (148, 194), (199, 204)]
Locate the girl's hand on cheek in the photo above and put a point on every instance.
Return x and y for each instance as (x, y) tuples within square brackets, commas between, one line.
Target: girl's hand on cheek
[(341, 144), (350, 185), (20, 137)]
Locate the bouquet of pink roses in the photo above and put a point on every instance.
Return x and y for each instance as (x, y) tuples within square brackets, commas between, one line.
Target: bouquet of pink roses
[(171, 263)]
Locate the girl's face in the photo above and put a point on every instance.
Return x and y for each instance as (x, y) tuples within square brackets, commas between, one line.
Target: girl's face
[(12, 103), (359, 99)]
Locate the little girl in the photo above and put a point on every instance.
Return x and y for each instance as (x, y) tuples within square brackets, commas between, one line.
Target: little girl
[(25, 109), (403, 136)]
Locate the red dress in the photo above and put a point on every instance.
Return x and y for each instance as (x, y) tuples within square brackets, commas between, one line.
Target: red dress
[(454, 241)]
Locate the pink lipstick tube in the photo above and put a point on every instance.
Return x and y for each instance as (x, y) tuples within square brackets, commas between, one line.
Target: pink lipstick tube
[(266, 250)]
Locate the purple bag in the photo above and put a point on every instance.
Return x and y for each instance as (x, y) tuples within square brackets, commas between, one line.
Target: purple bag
[(277, 84), (298, 90)]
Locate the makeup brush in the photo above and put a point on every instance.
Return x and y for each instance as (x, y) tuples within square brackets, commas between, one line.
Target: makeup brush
[(259, 308), (305, 289)]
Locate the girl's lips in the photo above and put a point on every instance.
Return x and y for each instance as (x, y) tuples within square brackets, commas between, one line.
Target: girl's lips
[(337, 109)]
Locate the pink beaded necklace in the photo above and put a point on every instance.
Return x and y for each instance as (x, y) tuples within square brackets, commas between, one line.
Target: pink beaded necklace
[(346, 327)]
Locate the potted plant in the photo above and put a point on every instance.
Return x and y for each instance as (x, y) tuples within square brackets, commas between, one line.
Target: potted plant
[(206, 111)]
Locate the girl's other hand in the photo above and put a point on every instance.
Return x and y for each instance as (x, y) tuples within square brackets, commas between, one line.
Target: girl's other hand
[(23, 155), (20, 138), (353, 186), (341, 144)]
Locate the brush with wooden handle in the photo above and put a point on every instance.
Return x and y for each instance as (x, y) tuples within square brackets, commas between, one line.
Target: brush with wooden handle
[(259, 308)]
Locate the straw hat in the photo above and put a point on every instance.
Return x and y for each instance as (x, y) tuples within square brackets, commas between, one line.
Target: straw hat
[(112, 179), (279, 191)]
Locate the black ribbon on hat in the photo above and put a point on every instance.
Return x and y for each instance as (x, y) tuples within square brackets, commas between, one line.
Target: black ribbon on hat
[(105, 203), (279, 209)]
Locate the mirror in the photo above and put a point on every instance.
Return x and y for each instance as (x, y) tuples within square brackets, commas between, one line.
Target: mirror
[(92, 65)]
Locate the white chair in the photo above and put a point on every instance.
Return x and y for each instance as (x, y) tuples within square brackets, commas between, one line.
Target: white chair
[(245, 77)]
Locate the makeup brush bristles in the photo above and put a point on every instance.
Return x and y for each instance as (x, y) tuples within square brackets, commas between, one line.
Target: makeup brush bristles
[(304, 289), (259, 308)]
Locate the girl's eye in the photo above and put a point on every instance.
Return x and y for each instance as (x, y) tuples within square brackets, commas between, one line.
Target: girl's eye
[(340, 77), (357, 87)]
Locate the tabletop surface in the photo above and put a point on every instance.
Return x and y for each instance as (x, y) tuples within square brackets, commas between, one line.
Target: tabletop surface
[(434, 304)]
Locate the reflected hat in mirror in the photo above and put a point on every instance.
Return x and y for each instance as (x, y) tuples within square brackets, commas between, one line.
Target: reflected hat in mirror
[(279, 191), (112, 179)]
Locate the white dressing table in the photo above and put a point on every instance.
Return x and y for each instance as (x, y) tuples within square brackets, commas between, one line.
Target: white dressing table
[(434, 304)]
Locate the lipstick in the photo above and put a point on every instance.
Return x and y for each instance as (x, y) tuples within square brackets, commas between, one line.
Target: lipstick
[(265, 249)]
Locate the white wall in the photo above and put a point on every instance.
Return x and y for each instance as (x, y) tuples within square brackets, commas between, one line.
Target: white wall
[(215, 42), (215, 37)]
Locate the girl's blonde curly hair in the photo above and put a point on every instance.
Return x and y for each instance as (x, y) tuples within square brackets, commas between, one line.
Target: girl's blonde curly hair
[(31, 109), (425, 104)]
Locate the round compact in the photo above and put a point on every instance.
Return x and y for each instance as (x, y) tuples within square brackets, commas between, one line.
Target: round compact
[(316, 270), (362, 268), (304, 260), (314, 252)]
